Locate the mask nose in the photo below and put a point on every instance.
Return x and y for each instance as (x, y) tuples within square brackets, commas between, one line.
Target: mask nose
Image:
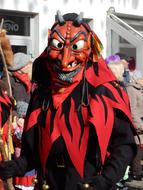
[(65, 57)]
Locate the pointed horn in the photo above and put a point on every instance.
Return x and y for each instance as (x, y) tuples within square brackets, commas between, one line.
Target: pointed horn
[(60, 18), (78, 20)]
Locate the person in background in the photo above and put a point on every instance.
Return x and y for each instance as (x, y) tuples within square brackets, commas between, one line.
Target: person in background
[(5, 111), (135, 92), (112, 58), (6, 47), (6, 147), (133, 84), (20, 76), (78, 133), (126, 62), (118, 68), (1, 68), (124, 59), (135, 74)]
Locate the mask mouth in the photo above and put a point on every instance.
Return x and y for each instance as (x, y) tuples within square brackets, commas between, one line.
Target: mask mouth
[(66, 76), (70, 67), (73, 64)]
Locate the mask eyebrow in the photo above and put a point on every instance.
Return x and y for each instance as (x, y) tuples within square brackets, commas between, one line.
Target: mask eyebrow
[(59, 34), (79, 33)]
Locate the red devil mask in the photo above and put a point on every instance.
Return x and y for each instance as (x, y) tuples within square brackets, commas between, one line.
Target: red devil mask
[(71, 44), (68, 49)]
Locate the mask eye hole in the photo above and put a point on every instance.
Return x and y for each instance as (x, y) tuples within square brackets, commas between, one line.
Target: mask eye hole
[(57, 44), (78, 45)]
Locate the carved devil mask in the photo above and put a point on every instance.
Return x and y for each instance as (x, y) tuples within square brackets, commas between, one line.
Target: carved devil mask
[(69, 46)]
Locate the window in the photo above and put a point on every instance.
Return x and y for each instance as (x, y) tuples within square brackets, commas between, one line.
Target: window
[(16, 25)]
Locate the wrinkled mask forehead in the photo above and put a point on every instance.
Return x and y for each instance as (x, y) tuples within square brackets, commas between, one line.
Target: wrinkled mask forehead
[(69, 31)]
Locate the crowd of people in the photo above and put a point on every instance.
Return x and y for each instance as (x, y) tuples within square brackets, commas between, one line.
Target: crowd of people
[(131, 80), (16, 84), (75, 119)]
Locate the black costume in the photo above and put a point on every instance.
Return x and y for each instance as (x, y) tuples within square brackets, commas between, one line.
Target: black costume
[(81, 138)]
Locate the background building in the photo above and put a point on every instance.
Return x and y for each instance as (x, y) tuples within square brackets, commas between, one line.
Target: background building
[(27, 23)]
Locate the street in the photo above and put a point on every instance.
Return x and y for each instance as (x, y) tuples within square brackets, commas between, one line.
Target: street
[(134, 185)]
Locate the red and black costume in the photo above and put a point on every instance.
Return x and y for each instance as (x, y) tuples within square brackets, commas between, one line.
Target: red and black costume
[(5, 109), (78, 131)]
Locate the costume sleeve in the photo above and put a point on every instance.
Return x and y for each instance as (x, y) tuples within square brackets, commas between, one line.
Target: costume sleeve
[(27, 160), (122, 150)]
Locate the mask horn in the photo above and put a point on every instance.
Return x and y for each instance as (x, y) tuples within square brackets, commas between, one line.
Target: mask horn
[(60, 18), (78, 20)]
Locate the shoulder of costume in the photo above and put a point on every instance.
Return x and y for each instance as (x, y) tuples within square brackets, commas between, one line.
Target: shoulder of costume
[(98, 73), (101, 79)]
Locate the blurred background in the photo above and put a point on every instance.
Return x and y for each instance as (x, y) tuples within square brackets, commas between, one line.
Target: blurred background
[(118, 23)]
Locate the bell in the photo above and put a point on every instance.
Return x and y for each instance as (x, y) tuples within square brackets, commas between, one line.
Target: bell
[(45, 187), (35, 180), (116, 84), (86, 185)]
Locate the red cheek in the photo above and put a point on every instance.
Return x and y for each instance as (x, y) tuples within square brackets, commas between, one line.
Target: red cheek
[(53, 54), (81, 57)]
